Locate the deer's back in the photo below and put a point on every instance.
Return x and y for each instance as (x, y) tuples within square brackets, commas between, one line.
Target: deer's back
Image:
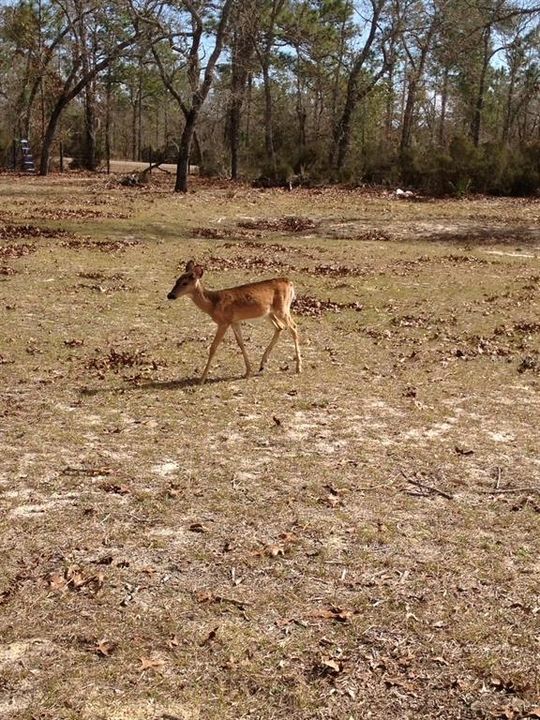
[(252, 300)]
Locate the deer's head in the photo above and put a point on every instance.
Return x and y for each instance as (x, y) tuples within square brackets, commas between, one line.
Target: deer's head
[(187, 281)]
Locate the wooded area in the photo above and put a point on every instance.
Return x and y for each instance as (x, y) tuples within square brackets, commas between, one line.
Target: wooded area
[(439, 95)]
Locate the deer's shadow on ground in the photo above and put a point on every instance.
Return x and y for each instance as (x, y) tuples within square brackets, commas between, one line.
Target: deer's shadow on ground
[(182, 384)]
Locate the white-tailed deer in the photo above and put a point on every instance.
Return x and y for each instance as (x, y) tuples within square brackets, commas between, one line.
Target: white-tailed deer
[(229, 307)]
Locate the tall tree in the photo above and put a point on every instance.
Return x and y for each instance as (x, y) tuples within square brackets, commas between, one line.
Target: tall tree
[(78, 71), (184, 62), (417, 42), (244, 25), (264, 48), (368, 66)]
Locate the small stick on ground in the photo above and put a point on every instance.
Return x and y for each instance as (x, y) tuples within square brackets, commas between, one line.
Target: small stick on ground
[(425, 486), (498, 475), (500, 491)]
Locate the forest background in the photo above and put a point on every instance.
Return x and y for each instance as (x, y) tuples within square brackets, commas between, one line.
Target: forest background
[(441, 96)]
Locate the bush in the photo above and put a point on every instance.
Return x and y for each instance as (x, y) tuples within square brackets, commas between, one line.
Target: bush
[(491, 168)]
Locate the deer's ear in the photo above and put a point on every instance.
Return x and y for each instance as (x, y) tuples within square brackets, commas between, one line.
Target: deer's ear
[(189, 265), (198, 271)]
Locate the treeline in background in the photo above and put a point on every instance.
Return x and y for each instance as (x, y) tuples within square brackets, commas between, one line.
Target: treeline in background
[(442, 95)]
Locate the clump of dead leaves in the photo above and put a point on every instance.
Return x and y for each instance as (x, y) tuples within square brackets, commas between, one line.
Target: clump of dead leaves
[(106, 246), (15, 232), (115, 360), (290, 223), (6, 270), (76, 579), (314, 307), (335, 271), (16, 250), (212, 233), (256, 263)]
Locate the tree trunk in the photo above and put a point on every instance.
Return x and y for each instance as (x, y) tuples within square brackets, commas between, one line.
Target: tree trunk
[(249, 104), (50, 132), (108, 93), (238, 86), (476, 123), (342, 130), (339, 64), (444, 101), (139, 111), (89, 160), (134, 129), (508, 115), (408, 114), (234, 137), (268, 118), (416, 76), (389, 110), (300, 110), (182, 166), (242, 51)]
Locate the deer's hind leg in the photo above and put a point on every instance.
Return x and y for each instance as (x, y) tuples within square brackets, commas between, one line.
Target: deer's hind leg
[(294, 332)]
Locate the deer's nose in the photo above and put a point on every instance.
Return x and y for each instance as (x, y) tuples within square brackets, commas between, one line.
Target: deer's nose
[(170, 296)]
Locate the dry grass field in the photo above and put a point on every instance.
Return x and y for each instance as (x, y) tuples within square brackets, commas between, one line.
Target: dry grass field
[(360, 541)]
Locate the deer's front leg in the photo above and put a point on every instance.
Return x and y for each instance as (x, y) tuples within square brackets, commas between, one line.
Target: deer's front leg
[(222, 329), (240, 341)]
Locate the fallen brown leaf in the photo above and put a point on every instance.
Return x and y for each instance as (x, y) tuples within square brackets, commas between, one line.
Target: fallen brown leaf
[(173, 642), (115, 488), (275, 550), (329, 664), (104, 648), (148, 663), (57, 581), (197, 527), (333, 613), (211, 636)]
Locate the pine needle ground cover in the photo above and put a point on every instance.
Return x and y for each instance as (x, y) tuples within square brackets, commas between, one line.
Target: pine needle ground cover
[(358, 541)]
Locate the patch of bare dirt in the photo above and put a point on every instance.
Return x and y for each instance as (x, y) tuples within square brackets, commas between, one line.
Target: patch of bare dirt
[(485, 236)]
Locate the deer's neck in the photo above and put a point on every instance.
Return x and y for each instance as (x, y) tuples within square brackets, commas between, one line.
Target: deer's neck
[(202, 299)]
